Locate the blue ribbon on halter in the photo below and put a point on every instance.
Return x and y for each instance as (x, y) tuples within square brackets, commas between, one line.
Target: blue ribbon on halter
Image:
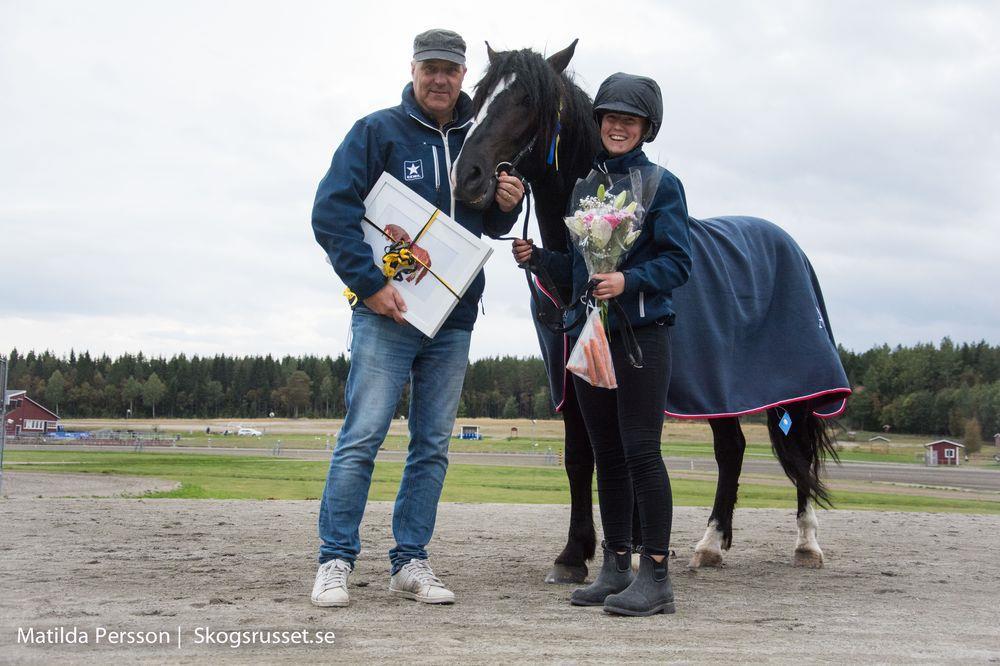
[(554, 147)]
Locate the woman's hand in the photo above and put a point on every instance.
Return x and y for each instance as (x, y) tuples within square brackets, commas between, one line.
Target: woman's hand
[(609, 285), (522, 250), (510, 191)]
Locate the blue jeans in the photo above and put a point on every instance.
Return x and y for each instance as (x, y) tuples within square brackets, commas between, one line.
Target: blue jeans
[(384, 355)]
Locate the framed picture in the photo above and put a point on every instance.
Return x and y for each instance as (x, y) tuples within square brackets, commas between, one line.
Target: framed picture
[(456, 255)]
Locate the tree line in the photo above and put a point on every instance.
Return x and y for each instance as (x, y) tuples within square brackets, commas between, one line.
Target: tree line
[(221, 386), (946, 389)]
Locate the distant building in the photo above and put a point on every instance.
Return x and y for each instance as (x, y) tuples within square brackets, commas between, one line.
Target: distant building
[(469, 432), (26, 416), (943, 452)]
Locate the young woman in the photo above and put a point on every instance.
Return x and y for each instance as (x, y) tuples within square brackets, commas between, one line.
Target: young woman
[(625, 424)]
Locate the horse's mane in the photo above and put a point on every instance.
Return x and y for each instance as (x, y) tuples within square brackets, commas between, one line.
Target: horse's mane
[(579, 138), (546, 90)]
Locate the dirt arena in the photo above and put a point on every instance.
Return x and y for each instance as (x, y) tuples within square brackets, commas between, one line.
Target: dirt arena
[(897, 587), (33, 485)]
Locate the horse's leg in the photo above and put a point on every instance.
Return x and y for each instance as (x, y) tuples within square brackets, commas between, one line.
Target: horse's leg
[(807, 551), (570, 566), (729, 447), (801, 454)]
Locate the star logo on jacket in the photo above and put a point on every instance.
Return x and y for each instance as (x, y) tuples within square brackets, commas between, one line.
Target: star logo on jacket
[(413, 169)]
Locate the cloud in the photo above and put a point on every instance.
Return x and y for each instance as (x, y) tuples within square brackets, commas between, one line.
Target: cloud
[(160, 160)]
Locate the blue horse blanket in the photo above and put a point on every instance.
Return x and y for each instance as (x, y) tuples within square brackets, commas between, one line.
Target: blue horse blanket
[(751, 332)]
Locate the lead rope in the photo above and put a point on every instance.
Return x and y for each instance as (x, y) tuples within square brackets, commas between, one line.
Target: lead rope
[(531, 266)]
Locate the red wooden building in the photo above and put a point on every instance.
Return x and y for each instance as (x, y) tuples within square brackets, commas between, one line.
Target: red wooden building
[(25, 416), (943, 452)]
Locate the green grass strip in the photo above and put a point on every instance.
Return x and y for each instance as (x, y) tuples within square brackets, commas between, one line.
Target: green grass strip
[(204, 476)]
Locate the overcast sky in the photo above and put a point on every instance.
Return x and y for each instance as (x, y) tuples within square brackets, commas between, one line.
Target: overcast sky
[(158, 160)]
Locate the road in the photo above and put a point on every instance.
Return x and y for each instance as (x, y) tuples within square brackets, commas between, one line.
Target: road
[(964, 478)]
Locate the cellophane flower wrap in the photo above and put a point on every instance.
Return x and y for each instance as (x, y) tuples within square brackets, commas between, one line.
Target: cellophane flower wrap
[(610, 210)]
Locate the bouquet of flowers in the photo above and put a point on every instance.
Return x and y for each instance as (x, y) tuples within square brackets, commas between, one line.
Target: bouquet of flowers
[(606, 224)]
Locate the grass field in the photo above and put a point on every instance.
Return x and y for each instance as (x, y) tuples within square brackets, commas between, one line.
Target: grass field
[(231, 477), (680, 438)]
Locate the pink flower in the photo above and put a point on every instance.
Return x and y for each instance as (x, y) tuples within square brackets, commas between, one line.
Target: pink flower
[(613, 220)]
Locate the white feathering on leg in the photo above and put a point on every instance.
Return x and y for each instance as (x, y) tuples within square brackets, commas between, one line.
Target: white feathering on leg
[(708, 552), (807, 550)]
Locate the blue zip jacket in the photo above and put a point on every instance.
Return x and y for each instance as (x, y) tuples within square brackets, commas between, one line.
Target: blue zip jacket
[(411, 147), (658, 262)]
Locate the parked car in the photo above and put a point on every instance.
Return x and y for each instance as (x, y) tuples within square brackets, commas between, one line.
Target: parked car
[(249, 432)]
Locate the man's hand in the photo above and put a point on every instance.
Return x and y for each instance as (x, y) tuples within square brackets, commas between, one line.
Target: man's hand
[(510, 191), (388, 303), (609, 285), (522, 250)]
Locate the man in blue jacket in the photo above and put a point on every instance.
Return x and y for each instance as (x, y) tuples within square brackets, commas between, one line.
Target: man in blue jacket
[(417, 142)]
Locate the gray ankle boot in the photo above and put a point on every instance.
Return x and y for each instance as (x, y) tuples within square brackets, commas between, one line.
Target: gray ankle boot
[(615, 575), (650, 593)]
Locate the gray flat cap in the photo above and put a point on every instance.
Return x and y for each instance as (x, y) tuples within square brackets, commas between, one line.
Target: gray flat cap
[(439, 44)]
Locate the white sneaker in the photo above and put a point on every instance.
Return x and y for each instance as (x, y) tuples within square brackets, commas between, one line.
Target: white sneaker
[(417, 581), (330, 588)]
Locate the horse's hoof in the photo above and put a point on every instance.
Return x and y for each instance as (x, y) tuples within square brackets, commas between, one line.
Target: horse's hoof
[(565, 574), (705, 558), (808, 559)]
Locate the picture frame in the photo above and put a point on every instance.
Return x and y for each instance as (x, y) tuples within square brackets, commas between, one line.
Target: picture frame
[(456, 254)]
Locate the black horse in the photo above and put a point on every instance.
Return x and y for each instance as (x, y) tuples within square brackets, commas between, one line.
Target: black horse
[(532, 117)]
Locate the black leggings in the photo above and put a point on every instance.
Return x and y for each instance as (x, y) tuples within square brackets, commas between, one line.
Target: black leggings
[(625, 426)]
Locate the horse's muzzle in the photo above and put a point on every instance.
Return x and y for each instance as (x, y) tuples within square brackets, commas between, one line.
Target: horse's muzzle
[(477, 188)]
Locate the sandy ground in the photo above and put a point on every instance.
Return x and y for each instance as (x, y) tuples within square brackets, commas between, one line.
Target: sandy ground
[(40, 484), (897, 587)]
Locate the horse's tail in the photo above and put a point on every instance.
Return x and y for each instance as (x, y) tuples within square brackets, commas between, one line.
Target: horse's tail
[(804, 449)]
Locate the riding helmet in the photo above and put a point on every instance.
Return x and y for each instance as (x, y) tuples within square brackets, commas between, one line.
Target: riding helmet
[(631, 94)]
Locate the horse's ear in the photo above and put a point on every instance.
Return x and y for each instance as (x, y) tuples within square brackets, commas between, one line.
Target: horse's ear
[(490, 52), (560, 61)]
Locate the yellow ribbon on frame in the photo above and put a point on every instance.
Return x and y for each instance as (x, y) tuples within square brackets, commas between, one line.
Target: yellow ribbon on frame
[(426, 226)]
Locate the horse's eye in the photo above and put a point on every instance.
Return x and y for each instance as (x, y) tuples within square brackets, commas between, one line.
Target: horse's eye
[(525, 101)]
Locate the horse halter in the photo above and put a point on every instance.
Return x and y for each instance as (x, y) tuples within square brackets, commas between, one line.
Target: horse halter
[(511, 166), (553, 156)]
